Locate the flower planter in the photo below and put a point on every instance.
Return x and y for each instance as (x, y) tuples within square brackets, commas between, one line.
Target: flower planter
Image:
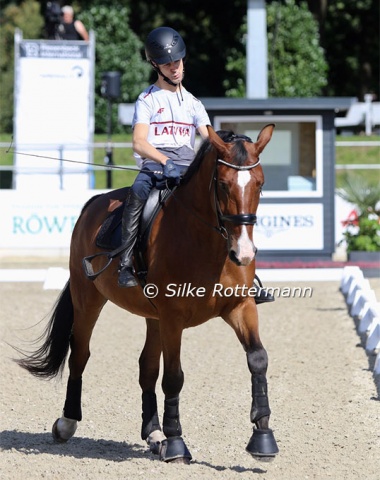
[(357, 256)]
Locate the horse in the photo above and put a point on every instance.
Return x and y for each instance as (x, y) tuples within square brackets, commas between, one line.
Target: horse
[(200, 249)]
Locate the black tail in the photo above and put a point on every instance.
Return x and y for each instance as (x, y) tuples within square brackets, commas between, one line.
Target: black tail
[(48, 361)]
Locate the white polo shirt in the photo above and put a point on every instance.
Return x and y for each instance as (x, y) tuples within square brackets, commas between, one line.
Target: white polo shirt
[(173, 117)]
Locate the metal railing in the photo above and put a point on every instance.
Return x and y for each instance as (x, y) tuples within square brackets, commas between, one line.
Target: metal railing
[(104, 145)]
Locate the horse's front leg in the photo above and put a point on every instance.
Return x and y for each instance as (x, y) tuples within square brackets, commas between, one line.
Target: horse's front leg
[(244, 320), (149, 370), (173, 448)]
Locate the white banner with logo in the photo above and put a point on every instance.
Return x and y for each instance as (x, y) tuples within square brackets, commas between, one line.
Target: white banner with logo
[(45, 220), (289, 226), (40, 220), (53, 114)]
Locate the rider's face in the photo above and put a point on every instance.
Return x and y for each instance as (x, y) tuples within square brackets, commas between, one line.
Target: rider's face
[(173, 70)]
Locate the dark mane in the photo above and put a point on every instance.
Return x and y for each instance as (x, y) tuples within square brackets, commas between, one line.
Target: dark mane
[(239, 152), (202, 151)]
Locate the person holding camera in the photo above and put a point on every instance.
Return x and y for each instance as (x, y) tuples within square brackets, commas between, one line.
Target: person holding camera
[(72, 29)]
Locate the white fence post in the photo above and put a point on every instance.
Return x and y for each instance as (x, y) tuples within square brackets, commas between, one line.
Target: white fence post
[(361, 301)]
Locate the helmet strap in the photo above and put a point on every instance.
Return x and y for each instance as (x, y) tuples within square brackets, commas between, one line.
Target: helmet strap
[(167, 80)]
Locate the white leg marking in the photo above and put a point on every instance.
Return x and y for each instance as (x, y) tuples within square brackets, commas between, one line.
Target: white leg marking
[(155, 437)]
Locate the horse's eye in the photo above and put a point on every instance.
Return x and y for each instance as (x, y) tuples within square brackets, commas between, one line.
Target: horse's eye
[(224, 187)]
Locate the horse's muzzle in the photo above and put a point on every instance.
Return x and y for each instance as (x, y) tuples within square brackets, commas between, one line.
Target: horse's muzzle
[(242, 250)]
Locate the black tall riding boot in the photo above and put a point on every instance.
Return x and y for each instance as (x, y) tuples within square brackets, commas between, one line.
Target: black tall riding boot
[(130, 225)]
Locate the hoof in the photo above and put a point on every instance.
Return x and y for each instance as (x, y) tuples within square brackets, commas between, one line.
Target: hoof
[(262, 445), (63, 429), (182, 461), (173, 449)]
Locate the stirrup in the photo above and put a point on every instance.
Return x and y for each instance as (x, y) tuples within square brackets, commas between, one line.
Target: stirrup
[(262, 295), (126, 278)]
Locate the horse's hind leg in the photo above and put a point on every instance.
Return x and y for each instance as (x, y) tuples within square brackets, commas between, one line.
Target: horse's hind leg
[(86, 312), (149, 370)]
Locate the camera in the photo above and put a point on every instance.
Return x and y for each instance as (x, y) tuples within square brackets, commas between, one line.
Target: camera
[(53, 21), (53, 12)]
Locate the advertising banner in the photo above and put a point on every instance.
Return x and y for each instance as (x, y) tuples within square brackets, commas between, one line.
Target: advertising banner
[(53, 114), (289, 226), (42, 220)]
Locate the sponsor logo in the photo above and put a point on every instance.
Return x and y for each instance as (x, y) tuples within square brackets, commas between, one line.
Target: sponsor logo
[(269, 225)]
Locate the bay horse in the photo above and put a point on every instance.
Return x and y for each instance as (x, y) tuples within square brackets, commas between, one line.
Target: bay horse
[(201, 248)]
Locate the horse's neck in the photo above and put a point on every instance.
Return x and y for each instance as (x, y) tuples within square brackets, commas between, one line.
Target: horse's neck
[(200, 188)]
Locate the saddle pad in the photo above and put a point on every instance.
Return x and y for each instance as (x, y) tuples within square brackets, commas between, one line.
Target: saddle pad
[(109, 236)]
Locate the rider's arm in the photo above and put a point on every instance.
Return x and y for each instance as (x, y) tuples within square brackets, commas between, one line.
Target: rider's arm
[(143, 147), (203, 131)]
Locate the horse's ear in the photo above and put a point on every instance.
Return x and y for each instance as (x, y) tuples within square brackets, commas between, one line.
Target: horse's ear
[(264, 137), (217, 142)]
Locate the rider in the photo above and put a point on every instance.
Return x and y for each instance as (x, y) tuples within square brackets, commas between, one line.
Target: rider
[(165, 122), (164, 126)]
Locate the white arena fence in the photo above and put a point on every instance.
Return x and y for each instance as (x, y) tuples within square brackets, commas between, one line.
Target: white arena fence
[(364, 308)]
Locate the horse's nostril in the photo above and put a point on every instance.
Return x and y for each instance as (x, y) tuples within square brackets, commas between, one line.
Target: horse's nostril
[(233, 257)]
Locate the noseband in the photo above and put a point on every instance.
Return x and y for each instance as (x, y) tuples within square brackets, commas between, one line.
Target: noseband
[(239, 219)]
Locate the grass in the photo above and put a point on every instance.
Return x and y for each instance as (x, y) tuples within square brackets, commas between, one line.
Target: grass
[(120, 157), (124, 156), (357, 155)]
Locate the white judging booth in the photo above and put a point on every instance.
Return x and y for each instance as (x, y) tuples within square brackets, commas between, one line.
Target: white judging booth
[(296, 215), (54, 113)]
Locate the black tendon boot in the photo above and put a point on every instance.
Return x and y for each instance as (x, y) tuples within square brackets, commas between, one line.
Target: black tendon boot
[(130, 224)]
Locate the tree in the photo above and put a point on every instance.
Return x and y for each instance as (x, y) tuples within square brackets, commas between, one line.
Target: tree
[(296, 64), (214, 33), (122, 54), (297, 67), (208, 29), (351, 41)]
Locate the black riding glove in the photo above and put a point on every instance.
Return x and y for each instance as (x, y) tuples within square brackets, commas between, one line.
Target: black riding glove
[(172, 172)]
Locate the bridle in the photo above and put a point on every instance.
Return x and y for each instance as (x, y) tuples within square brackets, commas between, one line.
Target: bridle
[(238, 219)]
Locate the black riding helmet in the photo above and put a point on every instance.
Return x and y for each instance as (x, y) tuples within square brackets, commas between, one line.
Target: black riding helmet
[(164, 45)]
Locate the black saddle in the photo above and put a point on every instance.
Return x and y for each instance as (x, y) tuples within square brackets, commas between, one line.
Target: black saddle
[(109, 236)]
